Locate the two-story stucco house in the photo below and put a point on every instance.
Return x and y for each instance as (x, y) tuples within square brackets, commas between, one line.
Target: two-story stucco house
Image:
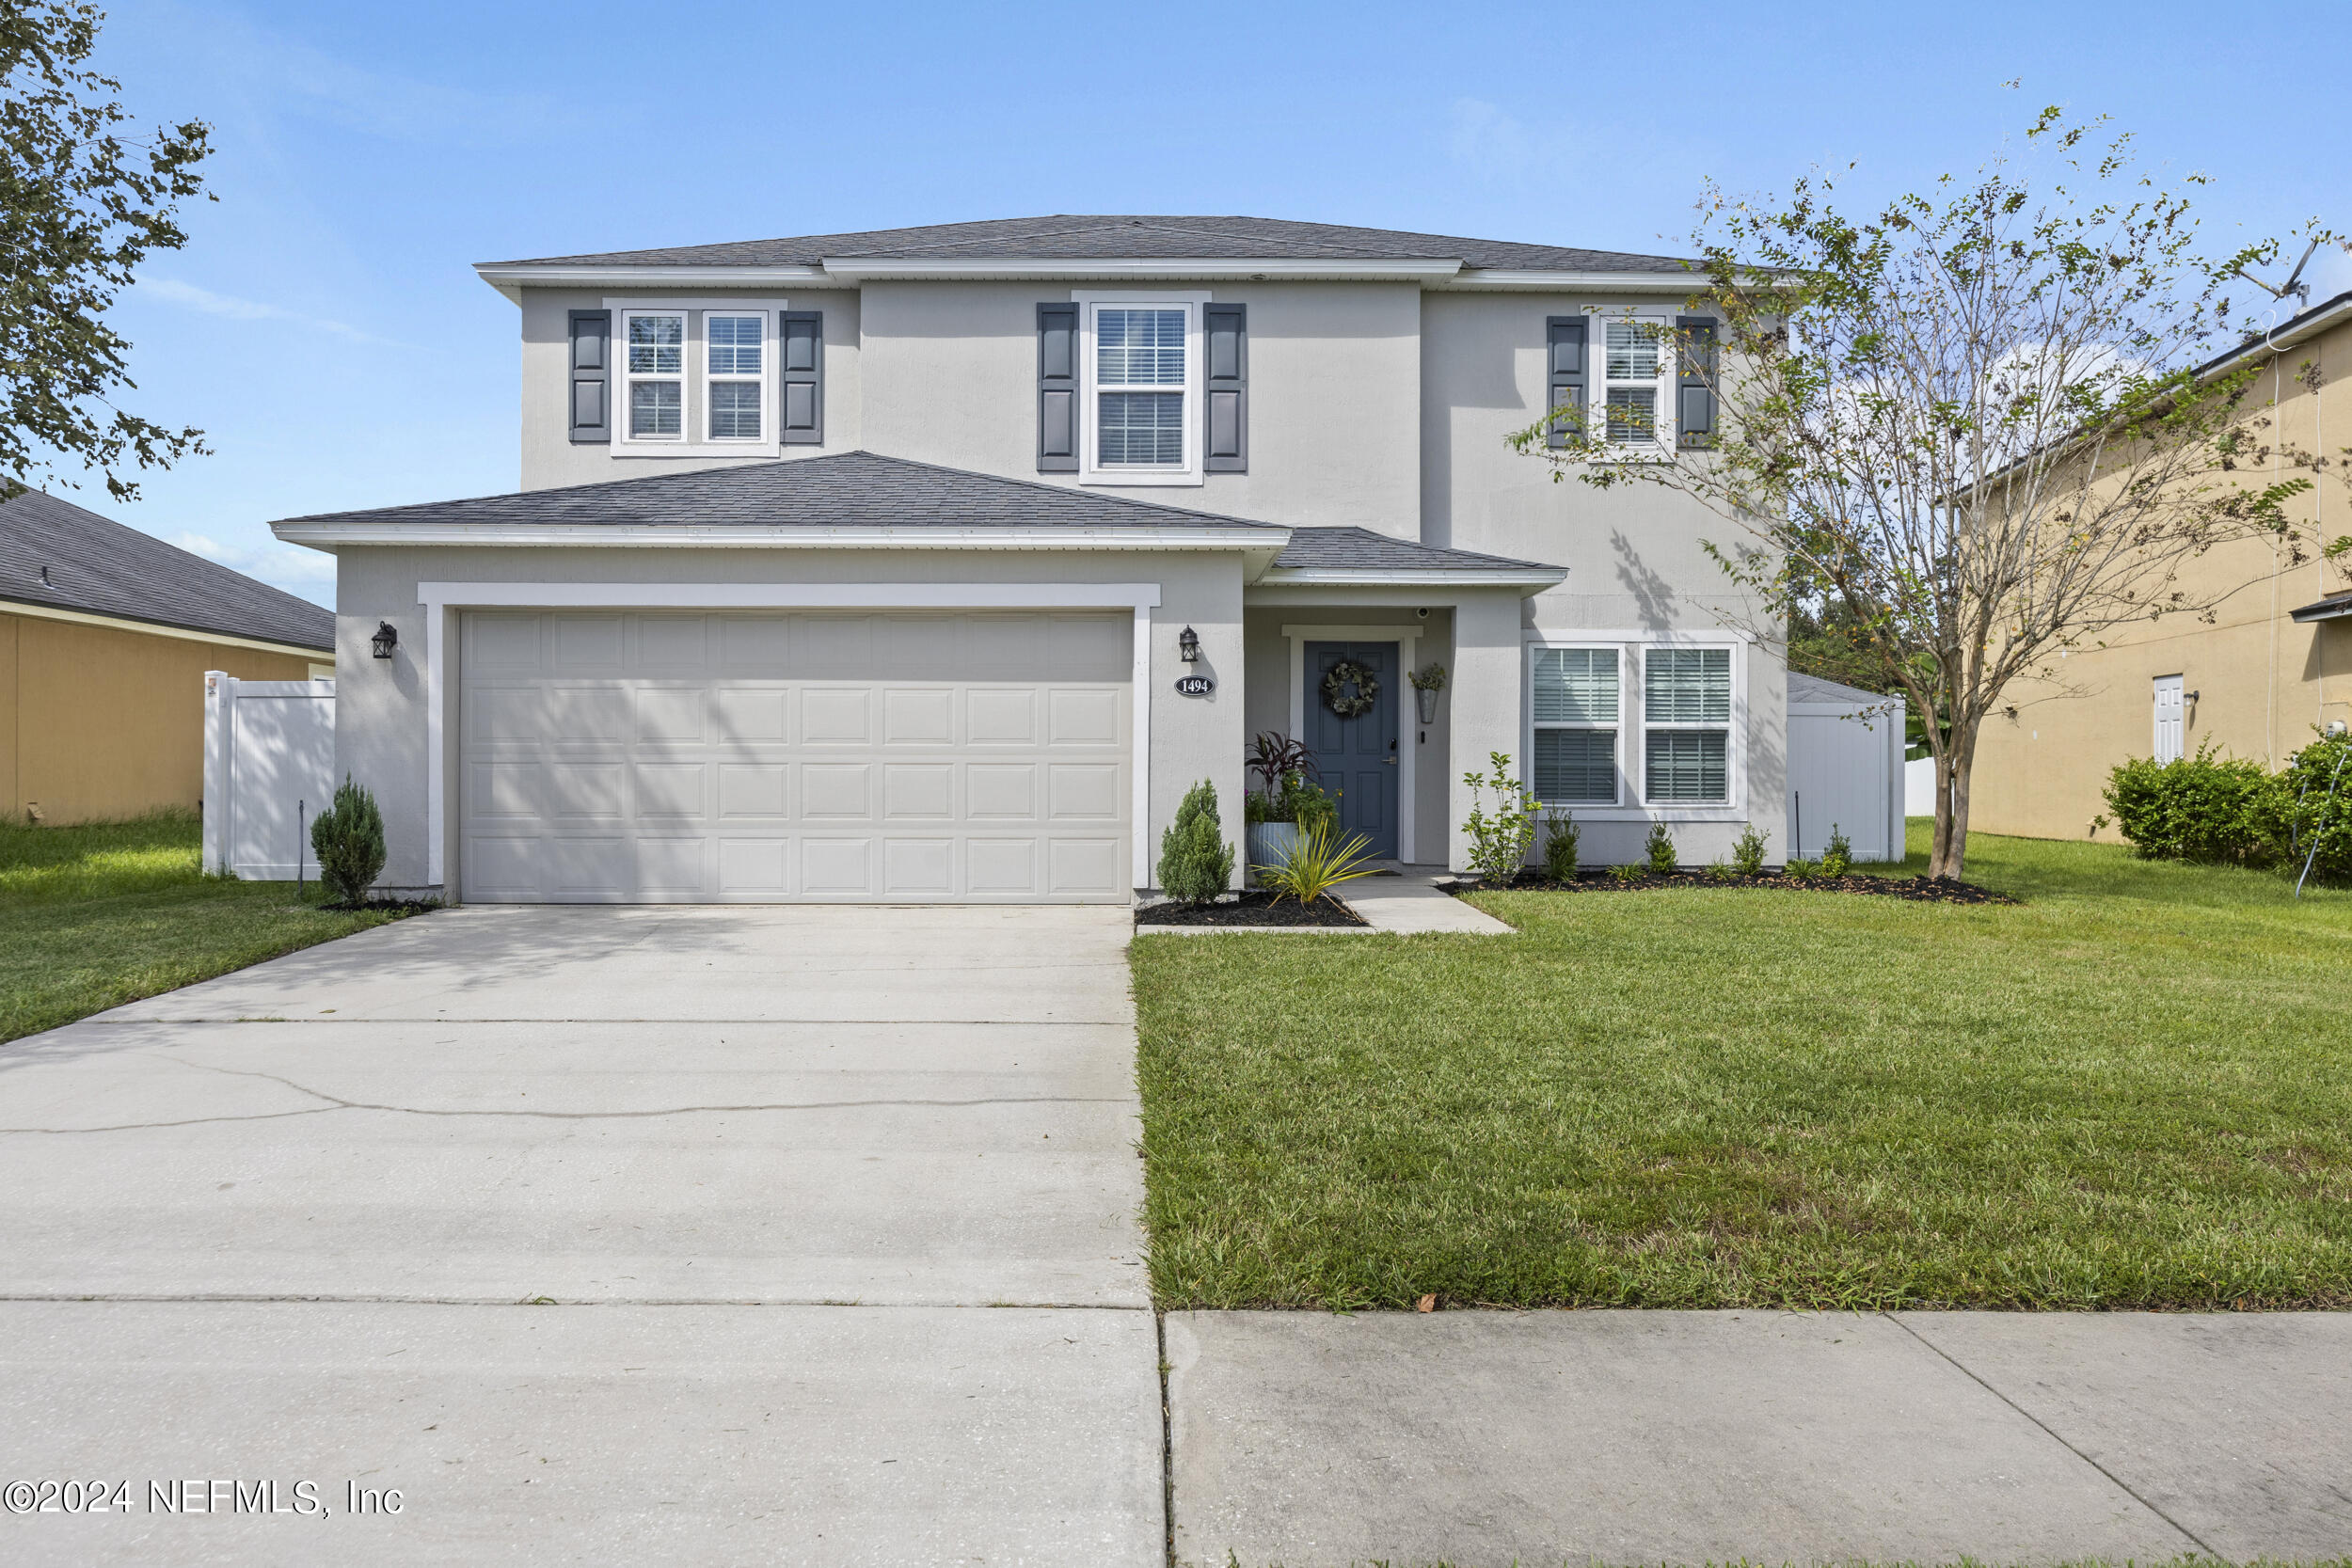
[(937, 564)]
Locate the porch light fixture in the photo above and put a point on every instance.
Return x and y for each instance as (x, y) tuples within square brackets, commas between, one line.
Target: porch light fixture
[(385, 639), (1188, 645)]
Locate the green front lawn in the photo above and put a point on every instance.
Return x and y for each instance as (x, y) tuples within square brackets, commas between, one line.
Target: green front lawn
[(2133, 1089), (96, 916)]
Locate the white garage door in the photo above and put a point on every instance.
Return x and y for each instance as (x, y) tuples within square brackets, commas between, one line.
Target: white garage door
[(745, 758)]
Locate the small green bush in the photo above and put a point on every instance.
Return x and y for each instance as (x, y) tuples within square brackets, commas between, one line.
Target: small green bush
[(1837, 857), (1628, 872), (1500, 841), (2220, 810), (1196, 863), (348, 840), (2304, 790), (1801, 870), (1747, 855), (1560, 835), (1658, 849), (1719, 872)]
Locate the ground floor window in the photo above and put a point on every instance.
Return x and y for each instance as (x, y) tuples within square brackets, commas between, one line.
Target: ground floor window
[(1630, 724)]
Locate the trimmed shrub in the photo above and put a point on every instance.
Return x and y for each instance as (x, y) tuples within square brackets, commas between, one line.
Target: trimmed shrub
[(1747, 856), (2304, 788), (1196, 863), (1658, 850), (1837, 856), (348, 840), (2220, 810), (1560, 835)]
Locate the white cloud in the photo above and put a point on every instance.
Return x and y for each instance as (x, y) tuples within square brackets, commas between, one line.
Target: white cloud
[(249, 309), (287, 566)]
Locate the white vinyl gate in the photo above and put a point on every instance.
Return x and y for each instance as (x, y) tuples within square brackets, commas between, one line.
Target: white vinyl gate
[(829, 757), (269, 768)]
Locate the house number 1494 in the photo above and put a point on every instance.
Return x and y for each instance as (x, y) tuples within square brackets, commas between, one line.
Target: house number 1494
[(1195, 686)]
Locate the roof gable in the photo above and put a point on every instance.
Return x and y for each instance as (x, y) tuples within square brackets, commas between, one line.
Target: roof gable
[(97, 566)]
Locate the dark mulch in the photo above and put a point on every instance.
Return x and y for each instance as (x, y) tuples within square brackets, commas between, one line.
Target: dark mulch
[(386, 905), (1925, 890), (1254, 908)]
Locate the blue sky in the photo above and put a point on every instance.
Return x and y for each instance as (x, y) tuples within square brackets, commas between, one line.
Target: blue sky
[(324, 329)]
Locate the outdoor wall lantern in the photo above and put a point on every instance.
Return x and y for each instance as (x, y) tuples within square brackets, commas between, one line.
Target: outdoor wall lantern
[(1188, 645), (385, 639)]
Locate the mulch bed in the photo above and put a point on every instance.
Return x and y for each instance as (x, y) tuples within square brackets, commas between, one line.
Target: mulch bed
[(1254, 908), (1924, 890)]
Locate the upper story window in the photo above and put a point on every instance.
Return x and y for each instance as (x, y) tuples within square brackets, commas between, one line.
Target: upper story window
[(1142, 400), (1637, 376), (653, 366), (735, 350)]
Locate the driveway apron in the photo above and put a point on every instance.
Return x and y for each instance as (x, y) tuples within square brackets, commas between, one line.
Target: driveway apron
[(690, 1234)]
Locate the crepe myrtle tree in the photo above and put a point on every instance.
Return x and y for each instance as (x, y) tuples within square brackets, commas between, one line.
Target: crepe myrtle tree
[(85, 196), (1974, 418)]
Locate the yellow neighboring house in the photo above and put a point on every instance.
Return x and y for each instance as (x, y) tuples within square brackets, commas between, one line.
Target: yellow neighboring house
[(106, 634), (2274, 668)]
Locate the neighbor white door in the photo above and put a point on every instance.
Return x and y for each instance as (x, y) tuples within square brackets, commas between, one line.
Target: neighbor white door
[(829, 757), (2167, 717)]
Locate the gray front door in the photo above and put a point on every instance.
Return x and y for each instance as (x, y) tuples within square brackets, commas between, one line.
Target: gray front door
[(1357, 755)]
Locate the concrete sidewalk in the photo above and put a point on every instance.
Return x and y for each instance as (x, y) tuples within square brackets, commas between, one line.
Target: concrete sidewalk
[(1493, 1438)]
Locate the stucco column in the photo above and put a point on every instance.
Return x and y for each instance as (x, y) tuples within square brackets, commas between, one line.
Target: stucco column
[(1487, 704)]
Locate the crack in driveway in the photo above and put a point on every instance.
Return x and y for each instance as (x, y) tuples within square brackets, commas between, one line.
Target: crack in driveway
[(336, 1103)]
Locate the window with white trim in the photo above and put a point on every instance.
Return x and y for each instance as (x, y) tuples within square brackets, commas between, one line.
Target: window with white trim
[(1686, 725), (734, 352), (1139, 381), (653, 371), (1576, 706), (1637, 380)]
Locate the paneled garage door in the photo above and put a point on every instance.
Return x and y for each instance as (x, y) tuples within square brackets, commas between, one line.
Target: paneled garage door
[(750, 758)]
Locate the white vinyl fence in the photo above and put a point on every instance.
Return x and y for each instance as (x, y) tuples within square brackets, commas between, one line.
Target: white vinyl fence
[(269, 768), (1845, 770)]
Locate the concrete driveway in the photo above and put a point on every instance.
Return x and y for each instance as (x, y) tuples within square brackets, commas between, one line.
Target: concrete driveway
[(829, 1213)]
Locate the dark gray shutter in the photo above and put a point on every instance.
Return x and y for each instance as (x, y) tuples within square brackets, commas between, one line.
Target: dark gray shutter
[(800, 377), (1695, 382), (1227, 330), (1564, 370), (591, 376), (1058, 388)]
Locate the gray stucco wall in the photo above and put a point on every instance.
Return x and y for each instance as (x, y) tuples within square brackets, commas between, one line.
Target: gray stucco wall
[(548, 457), (381, 724), (951, 376)]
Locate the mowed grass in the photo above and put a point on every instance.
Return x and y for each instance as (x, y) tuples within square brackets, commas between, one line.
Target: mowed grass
[(2133, 1089), (92, 917)]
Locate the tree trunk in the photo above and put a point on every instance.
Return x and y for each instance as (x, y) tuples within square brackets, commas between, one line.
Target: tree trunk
[(1952, 770)]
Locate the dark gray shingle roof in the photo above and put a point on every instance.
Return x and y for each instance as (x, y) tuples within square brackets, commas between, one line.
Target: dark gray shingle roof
[(1359, 549), (100, 567), (1081, 237), (854, 489)]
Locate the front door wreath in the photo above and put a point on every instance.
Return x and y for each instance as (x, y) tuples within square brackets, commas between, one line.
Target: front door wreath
[(1349, 689)]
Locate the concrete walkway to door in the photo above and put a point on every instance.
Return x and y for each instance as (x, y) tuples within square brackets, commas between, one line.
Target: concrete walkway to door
[(826, 1219)]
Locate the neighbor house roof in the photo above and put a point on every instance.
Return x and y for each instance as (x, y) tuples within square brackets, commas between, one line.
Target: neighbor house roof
[(2333, 606), (861, 498), (1077, 237), (57, 556)]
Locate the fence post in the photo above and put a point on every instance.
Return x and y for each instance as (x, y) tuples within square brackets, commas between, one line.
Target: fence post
[(220, 708)]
